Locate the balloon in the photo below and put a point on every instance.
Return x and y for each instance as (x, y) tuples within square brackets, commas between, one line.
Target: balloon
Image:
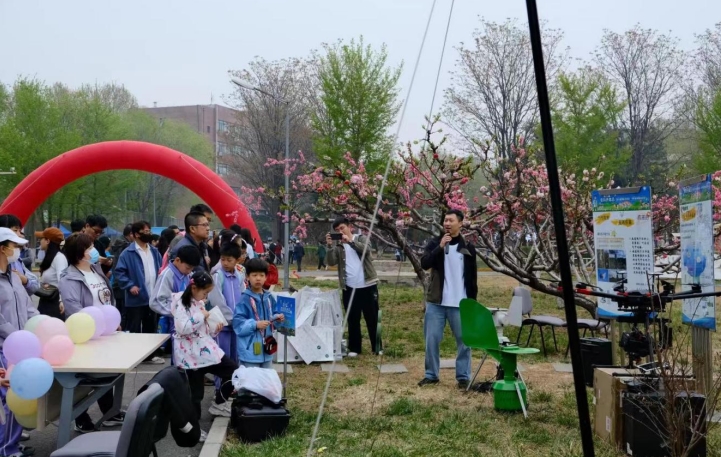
[(58, 350), (19, 406), (29, 422), (112, 318), (81, 327), (21, 345), (49, 328), (33, 322), (99, 319), (8, 371), (32, 378)]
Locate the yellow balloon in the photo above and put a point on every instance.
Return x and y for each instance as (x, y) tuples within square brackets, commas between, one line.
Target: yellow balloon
[(30, 421), (81, 327), (19, 406)]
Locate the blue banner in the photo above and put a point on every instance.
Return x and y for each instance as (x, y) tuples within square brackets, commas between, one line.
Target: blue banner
[(286, 306)]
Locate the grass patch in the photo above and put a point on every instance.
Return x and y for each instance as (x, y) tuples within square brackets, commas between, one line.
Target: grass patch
[(400, 419)]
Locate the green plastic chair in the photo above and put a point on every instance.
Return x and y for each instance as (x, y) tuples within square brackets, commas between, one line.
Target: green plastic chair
[(479, 332)]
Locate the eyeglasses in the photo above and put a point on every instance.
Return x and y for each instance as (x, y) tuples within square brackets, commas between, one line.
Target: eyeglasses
[(202, 225), (98, 231), (146, 232)]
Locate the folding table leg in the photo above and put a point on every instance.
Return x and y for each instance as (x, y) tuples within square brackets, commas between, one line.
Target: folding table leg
[(477, 371)]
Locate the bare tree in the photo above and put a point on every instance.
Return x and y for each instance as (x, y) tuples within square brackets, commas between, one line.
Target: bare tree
[(647, 68), (707, 59), (493, 91), (260, 135)]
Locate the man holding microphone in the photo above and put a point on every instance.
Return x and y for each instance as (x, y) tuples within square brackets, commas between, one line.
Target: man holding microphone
[(454, 276), (357, 276)]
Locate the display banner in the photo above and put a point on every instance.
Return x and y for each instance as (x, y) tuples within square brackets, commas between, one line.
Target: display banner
[(623, 237), (697, 250)]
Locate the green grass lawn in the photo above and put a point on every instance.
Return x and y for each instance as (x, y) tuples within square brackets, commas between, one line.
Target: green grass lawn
[(388, 415)]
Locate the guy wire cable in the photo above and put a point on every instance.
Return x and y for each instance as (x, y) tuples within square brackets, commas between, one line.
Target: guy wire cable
[(370, 229), (395, 290)]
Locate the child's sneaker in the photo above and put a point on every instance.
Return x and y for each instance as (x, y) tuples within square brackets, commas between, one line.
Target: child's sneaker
[(203, 436), (220, 410)]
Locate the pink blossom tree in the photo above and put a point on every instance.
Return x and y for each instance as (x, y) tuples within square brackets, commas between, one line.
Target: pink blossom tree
[(510, 221)]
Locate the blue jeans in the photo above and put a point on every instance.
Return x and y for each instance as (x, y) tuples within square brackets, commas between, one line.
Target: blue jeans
[(434, 323)]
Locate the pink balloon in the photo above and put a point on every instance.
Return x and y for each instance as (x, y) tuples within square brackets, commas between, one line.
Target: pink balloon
[(99, 319), (21, 345), (49, 328), (112, 318), (58, 350)]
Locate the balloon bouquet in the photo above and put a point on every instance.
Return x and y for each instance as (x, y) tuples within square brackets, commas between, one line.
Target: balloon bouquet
[(46, 342)]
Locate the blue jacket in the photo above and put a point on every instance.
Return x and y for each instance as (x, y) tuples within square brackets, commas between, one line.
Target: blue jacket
[(129, 273), (246, 330)]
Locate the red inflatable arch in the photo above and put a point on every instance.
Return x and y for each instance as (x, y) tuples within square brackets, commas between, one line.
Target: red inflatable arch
[(129, 155)]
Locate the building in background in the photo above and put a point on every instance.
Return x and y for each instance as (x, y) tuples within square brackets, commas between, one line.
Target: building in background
[(215, 122)]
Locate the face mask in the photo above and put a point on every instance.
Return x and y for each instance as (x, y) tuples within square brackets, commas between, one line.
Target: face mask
[(15, 257), (146, 237), (94, 255)]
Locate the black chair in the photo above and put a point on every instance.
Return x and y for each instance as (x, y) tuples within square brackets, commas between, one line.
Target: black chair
[(135, 439), (536, 321)]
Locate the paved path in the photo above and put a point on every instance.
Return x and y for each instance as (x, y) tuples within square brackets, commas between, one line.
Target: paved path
[(44, 441)]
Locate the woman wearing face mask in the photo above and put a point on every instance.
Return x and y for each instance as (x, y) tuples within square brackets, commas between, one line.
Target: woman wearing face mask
[(15, 310), (83, 284)]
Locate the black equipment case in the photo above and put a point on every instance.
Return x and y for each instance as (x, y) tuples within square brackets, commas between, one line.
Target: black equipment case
[(255, 418)]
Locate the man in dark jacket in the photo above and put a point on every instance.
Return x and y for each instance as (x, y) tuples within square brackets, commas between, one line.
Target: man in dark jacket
[(454, 276), (115, 250), (136, 273), (197, 229), (299, 252)]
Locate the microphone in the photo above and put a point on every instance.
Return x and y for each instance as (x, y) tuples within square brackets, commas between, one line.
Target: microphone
[(447, 248)]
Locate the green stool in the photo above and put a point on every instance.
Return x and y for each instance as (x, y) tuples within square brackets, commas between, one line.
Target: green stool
[(479, 332)]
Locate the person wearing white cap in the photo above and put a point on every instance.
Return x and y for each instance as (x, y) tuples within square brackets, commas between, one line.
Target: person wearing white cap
[(15, 310), (29, 280)]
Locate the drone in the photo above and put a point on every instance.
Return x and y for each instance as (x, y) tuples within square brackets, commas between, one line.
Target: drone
[(643, 307)]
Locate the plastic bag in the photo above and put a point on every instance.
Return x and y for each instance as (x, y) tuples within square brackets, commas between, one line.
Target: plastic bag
[(262, 381)]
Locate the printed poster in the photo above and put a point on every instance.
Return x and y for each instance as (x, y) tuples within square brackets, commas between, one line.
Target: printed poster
[(697, 250), (286, 306), (623, 235)]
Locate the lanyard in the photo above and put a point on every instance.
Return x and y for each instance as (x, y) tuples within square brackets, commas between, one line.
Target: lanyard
[(255, 311)]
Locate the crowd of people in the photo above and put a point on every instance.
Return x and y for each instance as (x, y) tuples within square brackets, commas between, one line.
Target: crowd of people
[(171, 282), (165, 283)]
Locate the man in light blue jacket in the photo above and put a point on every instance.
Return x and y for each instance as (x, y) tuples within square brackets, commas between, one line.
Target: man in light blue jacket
[(136, 272)]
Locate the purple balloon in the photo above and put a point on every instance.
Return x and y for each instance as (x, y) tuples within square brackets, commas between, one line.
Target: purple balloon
[(99, 319), (112, 318), (21, 345)]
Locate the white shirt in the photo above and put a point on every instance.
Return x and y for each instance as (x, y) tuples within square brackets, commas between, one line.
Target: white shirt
[(148, 266), (354, 276), (98, 288), (249, 251), (454, 288), (52, 274)]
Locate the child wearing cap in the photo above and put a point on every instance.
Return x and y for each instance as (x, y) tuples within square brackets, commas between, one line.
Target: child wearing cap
[(15, 310)]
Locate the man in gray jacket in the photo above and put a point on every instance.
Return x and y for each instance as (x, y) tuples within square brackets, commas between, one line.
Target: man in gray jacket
[(359, 277)]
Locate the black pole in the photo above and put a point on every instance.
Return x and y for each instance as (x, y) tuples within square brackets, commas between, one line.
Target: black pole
[(561, 242)]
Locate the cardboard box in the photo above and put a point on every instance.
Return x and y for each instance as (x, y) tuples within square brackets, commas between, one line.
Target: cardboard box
[(608, 383)]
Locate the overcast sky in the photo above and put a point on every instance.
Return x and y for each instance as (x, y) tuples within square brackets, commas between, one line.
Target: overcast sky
[(178, 52)]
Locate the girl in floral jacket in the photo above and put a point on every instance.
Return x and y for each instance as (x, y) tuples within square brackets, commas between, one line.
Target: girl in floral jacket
[(194, 348)]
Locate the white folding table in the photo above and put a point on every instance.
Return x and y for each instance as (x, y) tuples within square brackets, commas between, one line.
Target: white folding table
[(98, 366)]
